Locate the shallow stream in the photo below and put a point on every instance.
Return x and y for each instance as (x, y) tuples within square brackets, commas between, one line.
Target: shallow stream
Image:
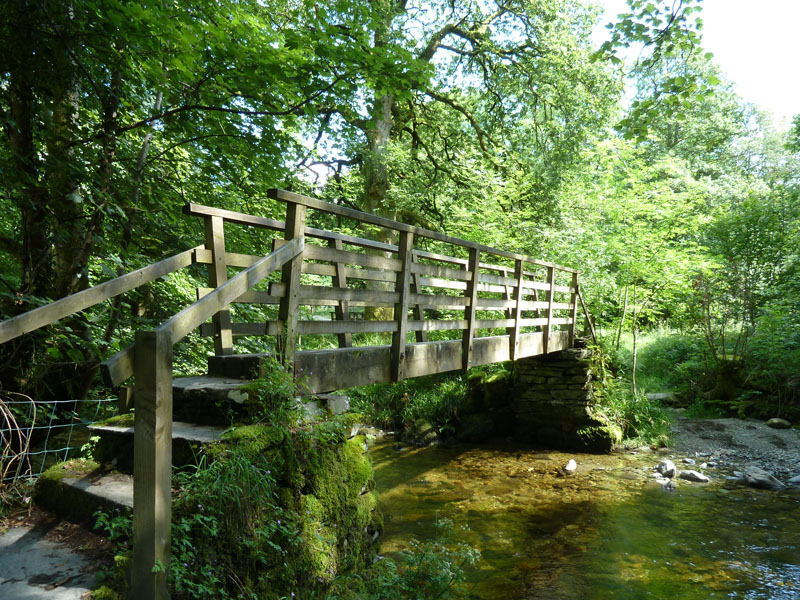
[(603, 533)]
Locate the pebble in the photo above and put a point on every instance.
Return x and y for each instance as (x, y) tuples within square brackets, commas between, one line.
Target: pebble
[(779, 423), (570, 467), (667, 468), (689, 461)]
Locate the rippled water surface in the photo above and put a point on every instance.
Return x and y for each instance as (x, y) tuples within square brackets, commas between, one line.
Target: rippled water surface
[(603, 533)]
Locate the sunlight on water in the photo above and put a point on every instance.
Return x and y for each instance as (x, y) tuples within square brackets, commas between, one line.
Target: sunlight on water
[(600, 534)]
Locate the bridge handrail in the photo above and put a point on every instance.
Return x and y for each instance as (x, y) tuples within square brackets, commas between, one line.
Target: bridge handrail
[(50, 313)]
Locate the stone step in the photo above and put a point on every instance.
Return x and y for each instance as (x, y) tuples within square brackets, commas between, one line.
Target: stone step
[(116, 443), (82, 489), (209, 400), (236, 366)]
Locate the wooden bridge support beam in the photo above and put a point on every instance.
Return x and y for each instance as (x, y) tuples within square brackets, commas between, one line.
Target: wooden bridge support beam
[(471, 293), (551, 281), (217, 275), (513, 342), (402, 286), (342, 308), (152, 466), (288, 312)]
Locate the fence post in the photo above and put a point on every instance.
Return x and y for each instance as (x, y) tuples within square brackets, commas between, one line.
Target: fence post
[(152, 465), (290, 276), (573, 309), (217, 275), (402, 286), (471, 293), (513, 340), (419, 312), (551, 280), (342, 308)]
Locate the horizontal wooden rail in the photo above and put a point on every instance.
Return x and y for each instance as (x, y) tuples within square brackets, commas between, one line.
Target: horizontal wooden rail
[(50, 313), (284, 196), (121, 366)]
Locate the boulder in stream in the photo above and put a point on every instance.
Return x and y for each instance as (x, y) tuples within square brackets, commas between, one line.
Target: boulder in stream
[(757, 477), (696, 476), (794, 481), (779, 423), (667, 468)]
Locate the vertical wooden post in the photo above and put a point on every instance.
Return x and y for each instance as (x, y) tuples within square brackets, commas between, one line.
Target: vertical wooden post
[(469, 311), (573, 316), (152, 465), (419, 312), (513, 340), (342, 308), (551, 279), (402, 286), (290, 276), (217, 275)]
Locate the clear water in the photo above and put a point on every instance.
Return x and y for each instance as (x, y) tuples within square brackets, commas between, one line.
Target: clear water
[(603, 533)]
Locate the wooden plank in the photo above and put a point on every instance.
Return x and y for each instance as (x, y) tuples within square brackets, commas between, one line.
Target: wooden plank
[(50, 313), (471, 295), (249, 297), (437, 325), (291, 197), (342, 307), (493, 323), (547, 305), (349, 327), (217, 275), (290, 277), (436, 271), (551, 278), (328, 370), (349, 272), (513, 345), (352, 258), (542, 321), (588, 317), (192, 316), (246, 329), (152, 465), (402, 287), (419, 312), (330, 296), (573, 310), (441, 257), (119, 367), (429, 300), (264, 223)]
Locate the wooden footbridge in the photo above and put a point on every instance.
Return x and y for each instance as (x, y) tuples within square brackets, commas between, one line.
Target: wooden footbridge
[(451, 304)]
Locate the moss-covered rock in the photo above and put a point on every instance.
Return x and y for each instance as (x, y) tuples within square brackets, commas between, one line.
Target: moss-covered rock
[(600, 436), (477, 427), (51, 493)]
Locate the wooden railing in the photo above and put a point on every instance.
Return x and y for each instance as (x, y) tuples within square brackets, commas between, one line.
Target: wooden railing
[(505, 305)]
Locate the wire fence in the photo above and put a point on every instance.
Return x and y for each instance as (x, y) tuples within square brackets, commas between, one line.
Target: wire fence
[(36, 435)]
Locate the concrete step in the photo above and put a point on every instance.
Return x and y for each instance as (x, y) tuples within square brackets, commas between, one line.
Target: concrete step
[(116, 443)]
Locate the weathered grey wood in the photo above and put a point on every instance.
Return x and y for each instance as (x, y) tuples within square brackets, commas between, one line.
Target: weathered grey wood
[(249, 297), (349, 327), (50, 313), (471, 294), (125, 399), (328, 370), (331, 296), (438, 325), (342, 308), (217, 275), (349, 272), (437, 271), (402, 287), (243, 329), (588, 317), (291, 197), (152, 465), (573, 310), (181, 324), (351, 258), (436, 301), (419, 312), (548, 328), (514, 336), (288, 312), (493, 323), (119, 367), (440, 257), (264, 223)]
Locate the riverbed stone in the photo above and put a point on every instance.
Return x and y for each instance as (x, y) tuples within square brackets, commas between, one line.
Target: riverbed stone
[(794, 481), (756, 477), (695, 476), (667, 468), (571, 467), (777, 423)]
